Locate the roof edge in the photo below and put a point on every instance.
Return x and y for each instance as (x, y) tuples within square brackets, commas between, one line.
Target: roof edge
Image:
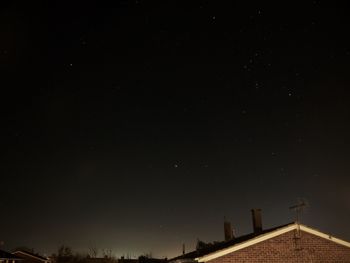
[(267, 236), (245, 244), (31, 255), (324, 235)]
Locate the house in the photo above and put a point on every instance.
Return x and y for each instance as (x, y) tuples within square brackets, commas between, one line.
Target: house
[(290, 243), (28, 257), (6, 257)]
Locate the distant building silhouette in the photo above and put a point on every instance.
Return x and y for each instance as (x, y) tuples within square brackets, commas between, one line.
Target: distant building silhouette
[(6, 257)]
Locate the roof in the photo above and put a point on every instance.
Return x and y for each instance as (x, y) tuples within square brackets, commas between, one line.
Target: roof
[(224, 244), (6, 255), (226, 247), (30, 255)]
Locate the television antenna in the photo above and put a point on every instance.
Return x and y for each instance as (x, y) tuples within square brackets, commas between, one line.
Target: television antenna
[(298, 209)]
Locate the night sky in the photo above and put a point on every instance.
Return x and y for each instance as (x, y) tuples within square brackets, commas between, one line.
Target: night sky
[(139, 125)]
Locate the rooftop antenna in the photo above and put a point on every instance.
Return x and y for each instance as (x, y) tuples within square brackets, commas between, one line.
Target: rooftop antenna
[(298, 208)]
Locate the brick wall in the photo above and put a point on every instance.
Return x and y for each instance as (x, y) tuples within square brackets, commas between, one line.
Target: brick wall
[(286, 248)]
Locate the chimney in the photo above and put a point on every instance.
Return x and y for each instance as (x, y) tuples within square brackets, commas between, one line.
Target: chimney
[(228, 231), (257, 224)]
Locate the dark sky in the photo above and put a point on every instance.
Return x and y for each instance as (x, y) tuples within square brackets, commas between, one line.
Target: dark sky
[(138, 125)]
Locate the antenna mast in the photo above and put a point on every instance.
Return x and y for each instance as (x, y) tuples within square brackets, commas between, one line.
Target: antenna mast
[(298, 208)]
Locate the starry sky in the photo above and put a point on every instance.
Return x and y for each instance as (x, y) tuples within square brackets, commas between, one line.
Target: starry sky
[(139, 125)]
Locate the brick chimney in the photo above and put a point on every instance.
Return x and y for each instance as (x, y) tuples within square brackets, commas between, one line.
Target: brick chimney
[(257, 223)]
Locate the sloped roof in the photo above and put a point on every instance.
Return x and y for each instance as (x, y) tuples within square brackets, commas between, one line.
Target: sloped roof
[(6, 255), (222, 245), (30, 255), (226, 247)]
